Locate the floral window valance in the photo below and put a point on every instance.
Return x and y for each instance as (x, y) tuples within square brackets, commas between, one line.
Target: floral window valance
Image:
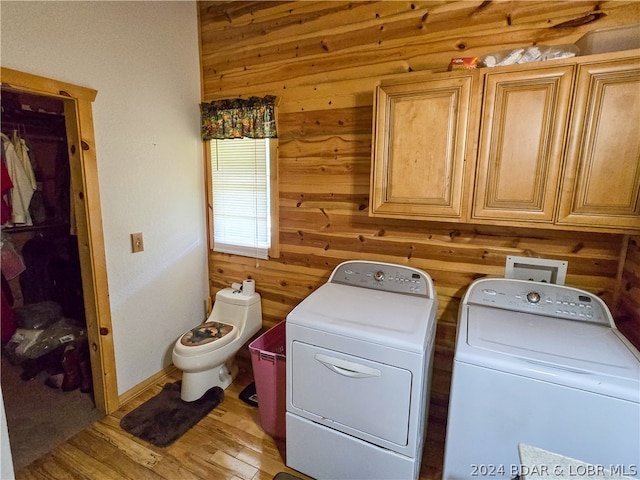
[(253, 117)]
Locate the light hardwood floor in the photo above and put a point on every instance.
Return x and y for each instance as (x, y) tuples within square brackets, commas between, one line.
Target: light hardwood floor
[(227, 444)]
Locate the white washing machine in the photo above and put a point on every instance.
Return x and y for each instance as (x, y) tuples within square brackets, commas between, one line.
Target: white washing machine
[(359, 361), (544, 365)]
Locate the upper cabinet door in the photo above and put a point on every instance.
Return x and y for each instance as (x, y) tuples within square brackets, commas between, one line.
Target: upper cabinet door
[(602, 176), (420, 146), (524, 119)]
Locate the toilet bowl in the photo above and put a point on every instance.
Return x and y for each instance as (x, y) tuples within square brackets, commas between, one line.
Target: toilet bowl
[(206, 353)]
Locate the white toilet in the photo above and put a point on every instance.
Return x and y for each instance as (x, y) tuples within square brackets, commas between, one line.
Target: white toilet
[(205, 354)]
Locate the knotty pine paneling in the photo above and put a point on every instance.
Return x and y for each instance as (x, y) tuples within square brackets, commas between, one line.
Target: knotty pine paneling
[(322, 59), (270, 47), (629, 312), (631, 278)]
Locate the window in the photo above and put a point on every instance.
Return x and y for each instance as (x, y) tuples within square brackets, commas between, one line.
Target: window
[(243, 152), (243, 190)]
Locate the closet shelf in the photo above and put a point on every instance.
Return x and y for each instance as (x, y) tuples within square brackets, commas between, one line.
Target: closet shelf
[(35, 228)]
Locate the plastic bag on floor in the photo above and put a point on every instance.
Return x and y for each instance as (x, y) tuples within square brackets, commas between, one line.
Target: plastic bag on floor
[(62, 332), (39, 315), (25, 339), (20, 341)]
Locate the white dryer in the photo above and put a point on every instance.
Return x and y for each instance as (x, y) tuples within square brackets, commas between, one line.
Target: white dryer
[(359, 361), (544, 365)]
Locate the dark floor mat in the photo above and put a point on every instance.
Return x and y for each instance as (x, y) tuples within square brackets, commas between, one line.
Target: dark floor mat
[(166, 417), (285, 476)]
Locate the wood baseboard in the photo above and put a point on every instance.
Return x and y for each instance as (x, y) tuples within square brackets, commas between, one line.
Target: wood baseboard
[(148, 383)]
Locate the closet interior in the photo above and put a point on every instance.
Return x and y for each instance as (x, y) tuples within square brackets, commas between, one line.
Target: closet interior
[(44, 339)]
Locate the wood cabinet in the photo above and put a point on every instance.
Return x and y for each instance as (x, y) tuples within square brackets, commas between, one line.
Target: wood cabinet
[(421, 146), (555, 144), (601, 184), (522, 136)]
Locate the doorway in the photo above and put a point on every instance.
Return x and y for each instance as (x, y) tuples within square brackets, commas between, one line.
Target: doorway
[(76, 103), (46, 374)]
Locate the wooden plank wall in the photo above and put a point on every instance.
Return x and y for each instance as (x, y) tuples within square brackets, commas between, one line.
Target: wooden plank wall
[(629, 311), (321, 60)]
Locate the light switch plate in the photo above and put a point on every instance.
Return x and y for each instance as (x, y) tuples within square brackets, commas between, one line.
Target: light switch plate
[(137, 244), (536, 269)]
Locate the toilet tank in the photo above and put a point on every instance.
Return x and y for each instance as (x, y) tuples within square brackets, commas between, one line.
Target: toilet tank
[(232, 305)]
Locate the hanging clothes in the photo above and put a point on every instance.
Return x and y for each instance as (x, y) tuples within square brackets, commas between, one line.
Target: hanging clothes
[(26, 156), (7, 185), (22, 177)]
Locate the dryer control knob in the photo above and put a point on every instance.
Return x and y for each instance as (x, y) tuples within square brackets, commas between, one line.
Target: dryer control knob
[(379, 275), (533, 297)]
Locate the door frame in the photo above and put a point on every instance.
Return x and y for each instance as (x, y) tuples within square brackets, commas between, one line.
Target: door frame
[(88, 218)]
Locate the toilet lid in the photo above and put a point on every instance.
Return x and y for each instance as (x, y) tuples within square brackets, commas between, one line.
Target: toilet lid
[(206, 333)]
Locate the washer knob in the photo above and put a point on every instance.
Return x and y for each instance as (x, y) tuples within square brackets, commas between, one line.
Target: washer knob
[(379, 275), (533, 297)]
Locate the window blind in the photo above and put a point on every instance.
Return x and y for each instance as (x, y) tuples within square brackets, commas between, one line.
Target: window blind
[(241, 206)]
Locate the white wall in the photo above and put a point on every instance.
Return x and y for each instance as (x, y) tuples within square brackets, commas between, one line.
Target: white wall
[(6, 459), (142, 58)]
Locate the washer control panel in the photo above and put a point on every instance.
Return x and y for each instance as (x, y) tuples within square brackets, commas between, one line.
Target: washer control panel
[(384, 276), (539, 298)]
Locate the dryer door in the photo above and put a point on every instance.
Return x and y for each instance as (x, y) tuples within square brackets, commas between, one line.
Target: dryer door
[(351, 394)]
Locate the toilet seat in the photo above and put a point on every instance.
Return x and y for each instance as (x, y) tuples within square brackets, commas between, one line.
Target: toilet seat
[(212, 334)]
